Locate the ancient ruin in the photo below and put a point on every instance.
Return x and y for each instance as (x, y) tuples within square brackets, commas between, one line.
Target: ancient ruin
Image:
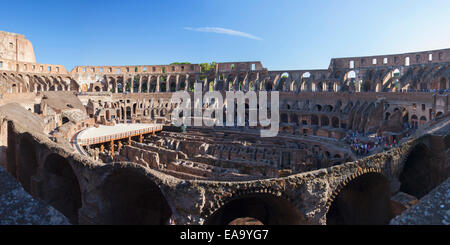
[(363, 141)]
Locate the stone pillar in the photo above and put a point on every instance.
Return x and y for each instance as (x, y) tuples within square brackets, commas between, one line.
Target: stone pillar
[(157, 83), (132, 84), (245, 82), (140, 84), (215, 83), (168, 83), (149, 79), (177, 82), (186, 81), (257, 82)]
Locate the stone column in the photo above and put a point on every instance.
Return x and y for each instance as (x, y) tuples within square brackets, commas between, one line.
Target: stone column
[(257, 82), (246, 82), (140, 84), (205, 84), (157, 83), (177, 82), (168, 83), (186, 81)]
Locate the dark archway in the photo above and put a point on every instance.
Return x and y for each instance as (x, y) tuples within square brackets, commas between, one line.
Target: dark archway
[(335, 122), (314, 120), (65, 120), (325, 121), (28, 165), (363, 201), (420, 175), (266, 208), (284, 118), (131, 198), (60, 187), (128, 111)]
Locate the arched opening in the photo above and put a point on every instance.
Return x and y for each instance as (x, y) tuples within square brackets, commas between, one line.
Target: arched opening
[(335, 122), (414, 121), (65, 120), (269, 86), (173, 87), (325, 121), (128, 113), (131, 198), (144, 86), (162, 87), (314, 120), (183, 85), (284, 118), (443, 83), (423, 120), (265, 208), (318, 107), (152, 87), (60, 187), (363, 201), (28, 165), (295, 119), (419, 175)]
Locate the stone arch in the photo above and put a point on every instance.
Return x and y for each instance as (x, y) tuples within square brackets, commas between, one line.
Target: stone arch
[(419, 174), (284, 118), (65, 120), (443, 83), (335, 122), (27, 164), (60, 187), (129, 113), (129, 197), (324, 121), (365, 199), (267, 208), (314, 120)]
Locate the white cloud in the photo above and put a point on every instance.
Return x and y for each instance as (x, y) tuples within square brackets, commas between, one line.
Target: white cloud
[(223, 31)]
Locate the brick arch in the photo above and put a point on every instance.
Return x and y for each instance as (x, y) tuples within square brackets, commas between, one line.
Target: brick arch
[(27, 164), (60, 186), (267, 205), (362, 198), (418, 172), (131, 195)]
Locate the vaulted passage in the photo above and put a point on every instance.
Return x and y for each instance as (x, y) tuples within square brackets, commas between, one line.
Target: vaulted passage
[(60, 187), (130, 198), (363, 201), (27, 165), (419, 174), (260, 208)]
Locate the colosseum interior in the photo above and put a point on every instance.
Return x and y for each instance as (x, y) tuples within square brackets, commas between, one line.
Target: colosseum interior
[(363, 141)]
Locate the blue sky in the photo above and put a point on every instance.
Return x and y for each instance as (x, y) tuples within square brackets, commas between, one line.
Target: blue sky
[(282, 34)]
